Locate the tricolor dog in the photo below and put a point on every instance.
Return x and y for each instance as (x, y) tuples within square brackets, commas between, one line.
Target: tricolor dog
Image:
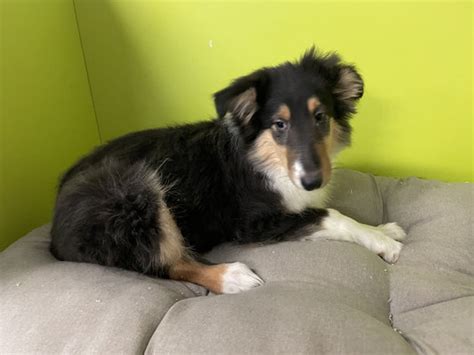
[(154, 201)]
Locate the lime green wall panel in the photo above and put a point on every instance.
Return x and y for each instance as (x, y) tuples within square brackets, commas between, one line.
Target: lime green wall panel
[(154, 63), (46, 114)]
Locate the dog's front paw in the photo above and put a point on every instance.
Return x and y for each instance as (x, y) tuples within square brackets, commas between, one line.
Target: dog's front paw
[(238, 277), (389, 249), (393, 231)]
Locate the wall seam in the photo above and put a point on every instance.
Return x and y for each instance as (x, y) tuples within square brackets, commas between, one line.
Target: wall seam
[(91, 92)]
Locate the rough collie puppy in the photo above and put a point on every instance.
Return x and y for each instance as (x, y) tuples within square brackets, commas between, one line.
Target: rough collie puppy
[(152, 201)]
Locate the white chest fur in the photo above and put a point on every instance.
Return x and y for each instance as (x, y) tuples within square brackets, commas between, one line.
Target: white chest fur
[(295, 199)]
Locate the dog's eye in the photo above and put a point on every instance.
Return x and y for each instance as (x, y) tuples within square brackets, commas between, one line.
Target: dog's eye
[(280, 125), (320, 117)]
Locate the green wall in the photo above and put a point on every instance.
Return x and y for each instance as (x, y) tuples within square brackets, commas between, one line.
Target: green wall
[(151, 65), (46, 115)]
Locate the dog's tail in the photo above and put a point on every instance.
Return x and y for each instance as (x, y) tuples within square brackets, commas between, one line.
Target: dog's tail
[(108, 214)]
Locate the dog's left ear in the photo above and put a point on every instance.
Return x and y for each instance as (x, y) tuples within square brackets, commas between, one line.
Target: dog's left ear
[(243, 97), (348, 88), (344, 81)]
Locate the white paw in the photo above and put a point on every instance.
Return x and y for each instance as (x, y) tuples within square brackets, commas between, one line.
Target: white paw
[(238, 277), (389, 249), (393, 231)]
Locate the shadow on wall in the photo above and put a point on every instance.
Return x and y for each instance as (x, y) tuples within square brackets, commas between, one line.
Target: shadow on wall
[(117, 74), (46, 115), (135, 83)]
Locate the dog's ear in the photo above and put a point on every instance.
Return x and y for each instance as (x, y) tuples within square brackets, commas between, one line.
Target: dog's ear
[(243, 97), (348, 88), (344, 81)]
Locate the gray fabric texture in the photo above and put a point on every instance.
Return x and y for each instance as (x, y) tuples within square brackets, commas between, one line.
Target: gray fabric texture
[(319, 297)]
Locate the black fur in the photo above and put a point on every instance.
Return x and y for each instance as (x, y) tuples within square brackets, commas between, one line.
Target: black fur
[(107, 215), (107, 206)]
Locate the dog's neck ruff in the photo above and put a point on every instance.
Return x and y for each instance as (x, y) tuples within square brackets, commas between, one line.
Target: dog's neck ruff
[(294, 199)]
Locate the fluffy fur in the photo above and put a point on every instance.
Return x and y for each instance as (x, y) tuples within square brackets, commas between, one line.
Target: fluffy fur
[(152, 201)]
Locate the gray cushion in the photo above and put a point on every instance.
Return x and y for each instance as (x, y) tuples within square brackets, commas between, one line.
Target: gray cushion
[(324, 296)]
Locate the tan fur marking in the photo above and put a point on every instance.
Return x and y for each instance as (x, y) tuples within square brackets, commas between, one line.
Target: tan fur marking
[(209, 276), (283, 112), (171, 239), (333, 140), (329, 139), (313, 103), (324, 161), (268, 153), (290, 160)]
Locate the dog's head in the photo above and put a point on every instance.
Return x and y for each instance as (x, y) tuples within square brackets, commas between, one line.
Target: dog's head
[(294, 116)]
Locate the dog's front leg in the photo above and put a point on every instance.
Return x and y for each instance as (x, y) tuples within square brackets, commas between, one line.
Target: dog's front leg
[(382, 240)]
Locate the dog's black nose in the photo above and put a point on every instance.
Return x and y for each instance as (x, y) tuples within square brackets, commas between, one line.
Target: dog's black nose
[(311, 180)]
